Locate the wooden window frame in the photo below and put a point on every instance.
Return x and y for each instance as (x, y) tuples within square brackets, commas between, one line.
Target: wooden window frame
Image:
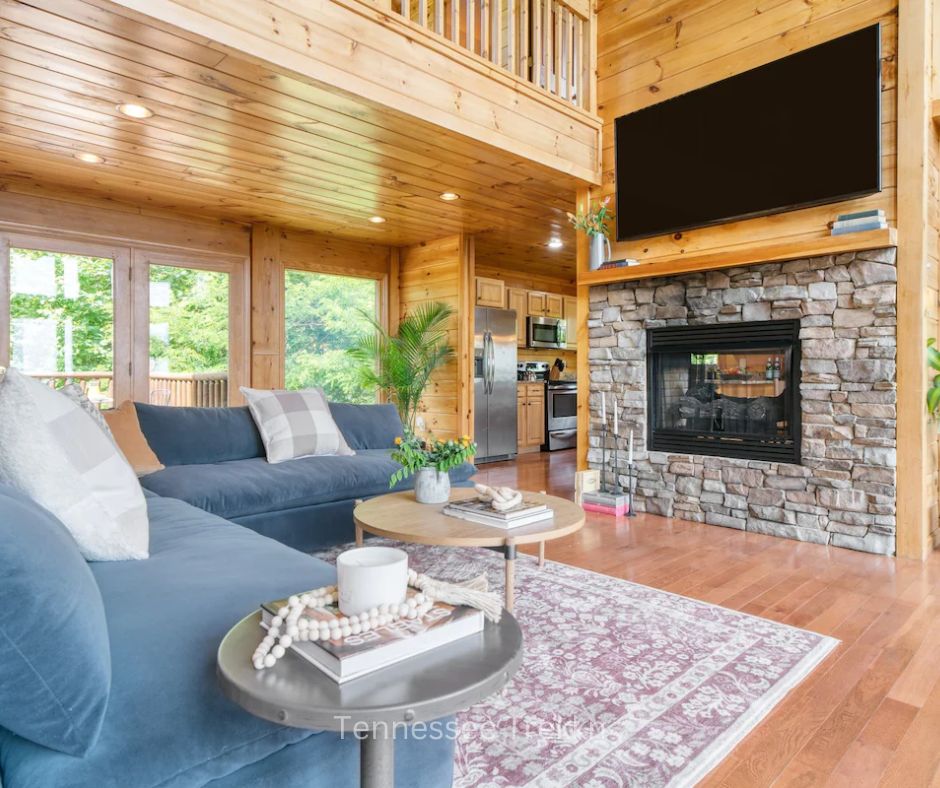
[(239, 310), (121, 295)]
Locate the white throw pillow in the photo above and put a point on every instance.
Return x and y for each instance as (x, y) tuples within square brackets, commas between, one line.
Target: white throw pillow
[(295, 424), (54, 452)]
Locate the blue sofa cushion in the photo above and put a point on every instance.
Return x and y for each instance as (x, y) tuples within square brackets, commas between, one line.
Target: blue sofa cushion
[(167, 722), (194, 436), (55, 660), (367, 426), (246, 487)]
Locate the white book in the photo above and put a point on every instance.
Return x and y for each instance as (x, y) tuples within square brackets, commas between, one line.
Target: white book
[(862, 220), (498, 522)]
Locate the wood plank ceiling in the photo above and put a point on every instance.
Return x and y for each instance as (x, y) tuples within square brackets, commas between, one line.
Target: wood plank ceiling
[(231, 138)]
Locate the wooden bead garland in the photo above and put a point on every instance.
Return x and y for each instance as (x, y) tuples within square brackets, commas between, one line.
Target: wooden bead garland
[(291, 625)]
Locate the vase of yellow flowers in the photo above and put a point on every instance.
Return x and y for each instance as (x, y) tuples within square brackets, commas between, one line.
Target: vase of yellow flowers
[(430, 462), (593, 223)]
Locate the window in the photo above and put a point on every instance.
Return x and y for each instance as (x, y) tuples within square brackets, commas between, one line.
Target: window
[(323, 317), (189, 336), (62, 319)]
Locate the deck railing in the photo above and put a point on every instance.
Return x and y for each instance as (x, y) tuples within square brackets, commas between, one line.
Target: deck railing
[(549, 43), (196, 389)]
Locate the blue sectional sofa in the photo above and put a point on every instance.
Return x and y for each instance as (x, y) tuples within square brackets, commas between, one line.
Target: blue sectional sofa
[(215, 460), (165, 721)]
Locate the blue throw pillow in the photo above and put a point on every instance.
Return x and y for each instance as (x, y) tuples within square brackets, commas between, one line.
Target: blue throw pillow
[(367, 426), (199, 436), (55, 658)]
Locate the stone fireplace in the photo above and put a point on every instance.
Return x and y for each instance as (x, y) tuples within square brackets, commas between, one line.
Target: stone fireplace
[(776, 412)]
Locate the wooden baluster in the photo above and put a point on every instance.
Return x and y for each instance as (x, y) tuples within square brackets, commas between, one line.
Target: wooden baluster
[(511, 36), (566, 60), (572, 60), (548, 56), (406, 9), (485, 43), (439, 17), (588, 63), (523, 38), (470, 31), (423, 13), (496, 29), (576, 56), (535, 76), (453, 14), (558, 44)]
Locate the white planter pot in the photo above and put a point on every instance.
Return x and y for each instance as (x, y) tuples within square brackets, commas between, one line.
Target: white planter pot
[(367, 577), (600, 251), (431, 486)]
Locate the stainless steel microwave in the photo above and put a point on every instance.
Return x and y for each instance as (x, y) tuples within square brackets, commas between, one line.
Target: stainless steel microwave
[(550, 332)]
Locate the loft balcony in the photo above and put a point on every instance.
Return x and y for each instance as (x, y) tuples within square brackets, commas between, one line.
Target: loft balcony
[(517, 75)]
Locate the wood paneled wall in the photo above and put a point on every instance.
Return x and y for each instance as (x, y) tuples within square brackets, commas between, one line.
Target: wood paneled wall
[(652, 51), (442, 270), (274, 249)]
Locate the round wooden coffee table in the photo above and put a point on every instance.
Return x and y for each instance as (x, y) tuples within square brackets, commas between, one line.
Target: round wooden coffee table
[(400, 517)]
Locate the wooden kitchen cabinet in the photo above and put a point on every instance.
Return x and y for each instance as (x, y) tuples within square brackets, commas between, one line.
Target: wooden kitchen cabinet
[(517, 300), (544, 304), (571, 321), (490, 292), (530, 425), (553, 305)]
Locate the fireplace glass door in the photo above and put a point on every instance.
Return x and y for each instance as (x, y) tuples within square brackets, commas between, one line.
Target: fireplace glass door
[(727, 390)]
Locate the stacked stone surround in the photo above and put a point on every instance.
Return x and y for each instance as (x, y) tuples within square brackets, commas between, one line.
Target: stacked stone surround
[(843, 492)]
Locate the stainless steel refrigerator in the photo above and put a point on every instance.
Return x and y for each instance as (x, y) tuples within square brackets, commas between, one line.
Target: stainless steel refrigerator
[(494, 383)]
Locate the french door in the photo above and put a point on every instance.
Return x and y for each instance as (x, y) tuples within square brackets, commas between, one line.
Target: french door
[(158, 327), (65, 314)]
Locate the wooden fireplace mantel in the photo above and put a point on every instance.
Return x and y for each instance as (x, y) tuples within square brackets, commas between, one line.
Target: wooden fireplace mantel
[(768, 252)]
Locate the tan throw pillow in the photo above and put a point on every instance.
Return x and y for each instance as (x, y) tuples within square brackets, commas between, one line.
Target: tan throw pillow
[(125, 427)]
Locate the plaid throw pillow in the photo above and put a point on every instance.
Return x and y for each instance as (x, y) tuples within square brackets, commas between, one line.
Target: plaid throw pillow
[(295, 424), (54, 452)]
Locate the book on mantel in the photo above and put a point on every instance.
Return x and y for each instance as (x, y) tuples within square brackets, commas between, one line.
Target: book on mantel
[(358, 655), (479, 510)]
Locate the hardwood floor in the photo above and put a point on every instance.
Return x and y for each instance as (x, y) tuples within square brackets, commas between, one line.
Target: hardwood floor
[(870, 714)]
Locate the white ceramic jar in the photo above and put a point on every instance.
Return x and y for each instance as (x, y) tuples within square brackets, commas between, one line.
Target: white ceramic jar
[(367, 577)]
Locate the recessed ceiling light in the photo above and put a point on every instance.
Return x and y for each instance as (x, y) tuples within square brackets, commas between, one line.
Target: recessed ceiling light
[(376, 219), (89, 158), (449, 196), (555, 243), (138, 111)]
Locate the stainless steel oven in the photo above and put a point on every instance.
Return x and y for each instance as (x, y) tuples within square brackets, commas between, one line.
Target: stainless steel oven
[(549, 332), (561, 415)]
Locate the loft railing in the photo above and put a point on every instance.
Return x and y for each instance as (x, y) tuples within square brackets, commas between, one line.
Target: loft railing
[(196, 389), (549, 43)]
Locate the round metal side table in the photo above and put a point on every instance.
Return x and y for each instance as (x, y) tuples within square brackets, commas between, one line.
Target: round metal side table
[(432, 685)]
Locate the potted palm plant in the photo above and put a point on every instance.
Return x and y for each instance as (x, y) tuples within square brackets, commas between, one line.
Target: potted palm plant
[(401, 365)]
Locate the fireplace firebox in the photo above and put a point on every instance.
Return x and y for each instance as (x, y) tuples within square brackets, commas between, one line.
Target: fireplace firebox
[(729, 390)]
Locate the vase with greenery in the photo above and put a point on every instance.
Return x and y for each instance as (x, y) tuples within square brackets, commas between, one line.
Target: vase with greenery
[(430, 461), (593, 223), (401, 365), (933, 393)]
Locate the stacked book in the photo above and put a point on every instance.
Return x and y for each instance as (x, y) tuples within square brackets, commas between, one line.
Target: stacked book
[(360, 654), (479, 510), (617, 264), (859, 222), (605, 503)]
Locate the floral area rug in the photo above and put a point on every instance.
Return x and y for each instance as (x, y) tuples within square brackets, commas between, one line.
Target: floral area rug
[(621, 684)]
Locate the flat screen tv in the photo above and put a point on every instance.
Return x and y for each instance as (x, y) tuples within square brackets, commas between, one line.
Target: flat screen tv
[(800, 131)]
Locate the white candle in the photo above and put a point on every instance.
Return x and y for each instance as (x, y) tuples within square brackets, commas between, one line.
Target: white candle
[(616, 418), (371, 576), (603, 407), (630, 454)]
